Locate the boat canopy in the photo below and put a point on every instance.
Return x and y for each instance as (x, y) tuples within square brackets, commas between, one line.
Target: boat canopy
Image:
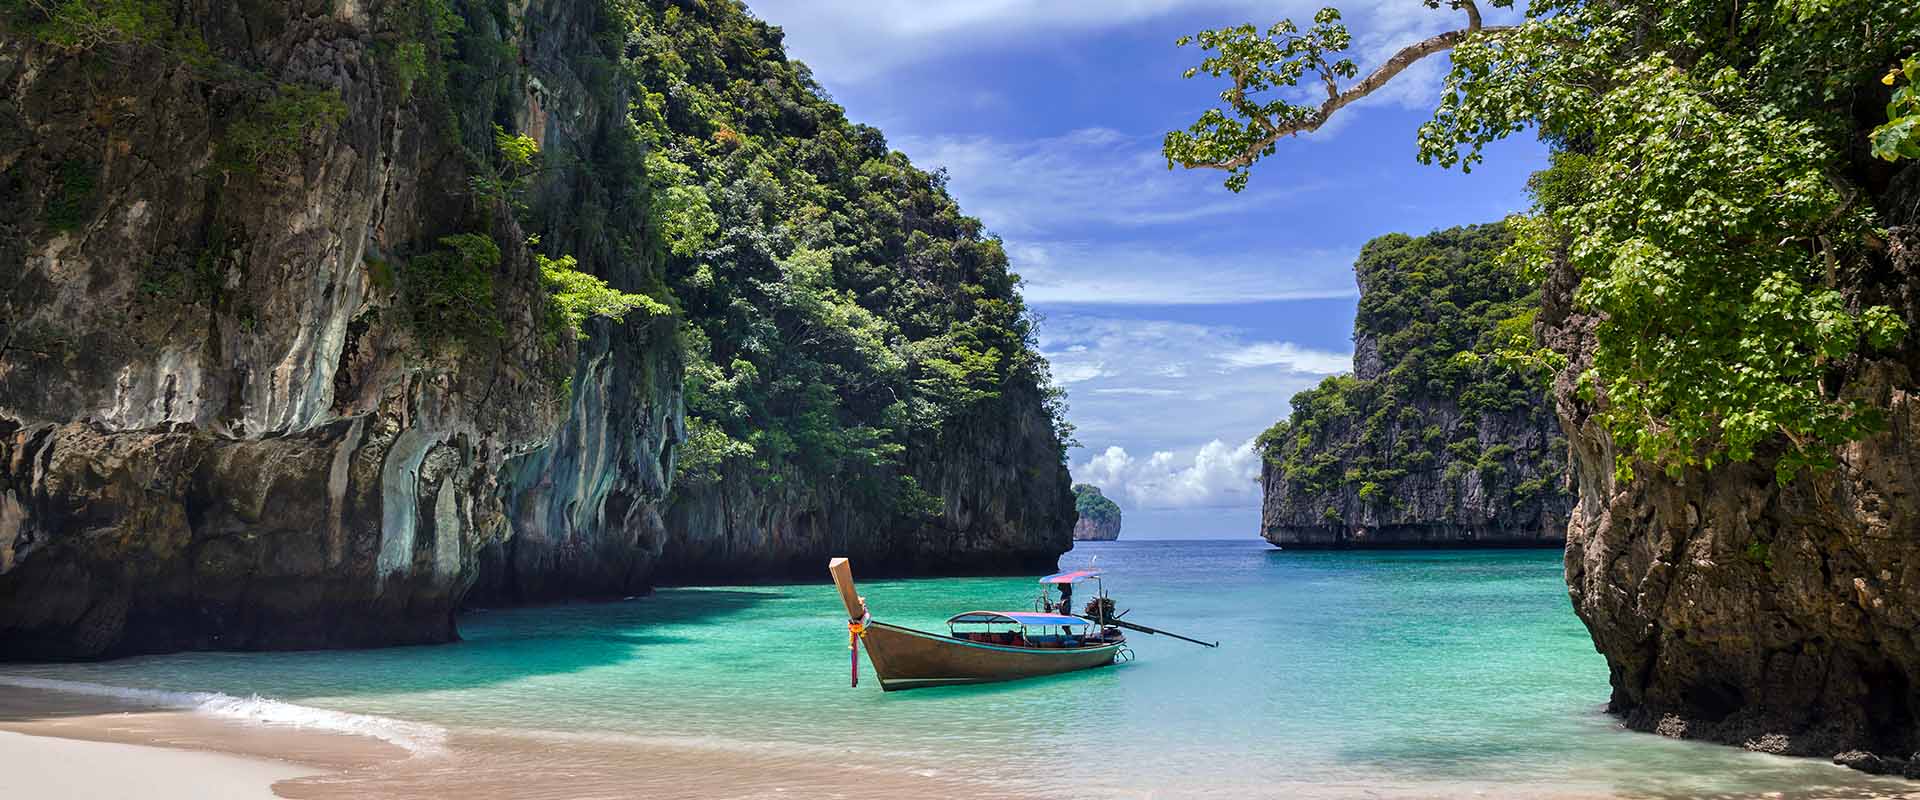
[(1017, 617), (1075, 576)]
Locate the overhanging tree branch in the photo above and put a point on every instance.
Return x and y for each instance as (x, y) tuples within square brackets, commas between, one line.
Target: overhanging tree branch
[(1280, 58)]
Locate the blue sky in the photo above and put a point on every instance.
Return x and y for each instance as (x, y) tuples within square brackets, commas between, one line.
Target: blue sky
[(1180, 317)]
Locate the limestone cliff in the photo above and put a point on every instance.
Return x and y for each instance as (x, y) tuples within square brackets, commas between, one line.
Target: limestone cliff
[(998, 510), (228, 416), (1099, 517), (1429, 442), (277, 364), (1734, 609), (861, 375)]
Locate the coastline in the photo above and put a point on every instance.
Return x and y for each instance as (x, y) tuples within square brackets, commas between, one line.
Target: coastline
[(93, 741), (1374, 691), (54, 767), (57, 744), (61, 744)]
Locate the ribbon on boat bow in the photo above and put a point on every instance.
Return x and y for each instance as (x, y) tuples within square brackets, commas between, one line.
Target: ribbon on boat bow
[(856, 630)]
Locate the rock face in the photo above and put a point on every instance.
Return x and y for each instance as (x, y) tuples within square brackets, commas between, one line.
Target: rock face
[(218, 427), (1422, 446), (1002, 509), (229, 414), (861, 376), (1734, 609), (1099, 517)]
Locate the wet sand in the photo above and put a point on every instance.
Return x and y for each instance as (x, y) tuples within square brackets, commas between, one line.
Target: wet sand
[(56, 745), (63, 745), (107, 747)]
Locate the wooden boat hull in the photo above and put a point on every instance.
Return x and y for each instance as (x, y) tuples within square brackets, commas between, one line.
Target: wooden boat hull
[(909, 659)]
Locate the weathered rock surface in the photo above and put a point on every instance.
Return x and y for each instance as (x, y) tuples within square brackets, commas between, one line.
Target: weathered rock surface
[(1395, 457), (1004, 509), (1733, 609), (1099, 517), (215, 428), (219, 430), (1087, 530)]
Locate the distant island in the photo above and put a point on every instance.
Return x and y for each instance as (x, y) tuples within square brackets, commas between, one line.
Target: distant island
[(1099, 517), (1431, 441)]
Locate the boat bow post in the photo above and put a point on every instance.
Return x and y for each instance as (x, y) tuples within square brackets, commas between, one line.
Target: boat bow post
[(857, 616)]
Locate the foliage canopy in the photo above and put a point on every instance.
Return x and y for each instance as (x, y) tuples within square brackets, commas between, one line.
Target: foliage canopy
[(1707, 191), (839, 305), (1434, 310), (1091, 504)]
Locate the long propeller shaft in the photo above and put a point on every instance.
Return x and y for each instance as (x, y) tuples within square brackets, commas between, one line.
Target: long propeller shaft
[(1132, 626)]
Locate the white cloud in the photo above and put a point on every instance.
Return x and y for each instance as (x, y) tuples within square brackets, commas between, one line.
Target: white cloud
[(1212, 475), (1098, 174), (1288, 355), (858, 41), (1161, 385), (1115, 272), (1094, 347), (1067, 371), (1072, 208)]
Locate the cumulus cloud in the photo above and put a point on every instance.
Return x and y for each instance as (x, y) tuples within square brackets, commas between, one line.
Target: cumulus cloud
[(855, 41), (1289, 356), (1047, 195), (1213, 475), (1155, 384), (1121, 273), (1021, 186), (1096, 346), (1068, 371)]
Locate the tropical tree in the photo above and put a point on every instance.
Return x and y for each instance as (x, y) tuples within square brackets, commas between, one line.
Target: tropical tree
[(1713, 190)]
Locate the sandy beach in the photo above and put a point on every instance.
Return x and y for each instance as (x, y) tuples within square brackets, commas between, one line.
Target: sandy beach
[(64, 745), (56, 745), (45, 766)]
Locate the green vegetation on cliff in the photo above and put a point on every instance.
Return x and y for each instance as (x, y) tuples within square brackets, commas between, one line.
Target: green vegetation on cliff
[(836, 305), (1726, 242), (839, 305), (446, 289), (1091, 504), (1705, 193), (1432, 311), (447, 275)]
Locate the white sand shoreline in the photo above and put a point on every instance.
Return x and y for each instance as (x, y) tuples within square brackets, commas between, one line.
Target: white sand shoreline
[(58, 744), (93, 743), (52, 768)]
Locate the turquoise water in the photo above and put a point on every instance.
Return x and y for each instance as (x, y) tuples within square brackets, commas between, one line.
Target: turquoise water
[(1402, 673)]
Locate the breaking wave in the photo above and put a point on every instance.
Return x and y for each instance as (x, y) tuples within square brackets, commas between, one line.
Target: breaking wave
[(415, 737)]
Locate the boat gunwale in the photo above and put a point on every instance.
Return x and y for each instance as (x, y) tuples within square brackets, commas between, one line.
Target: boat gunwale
[(1002, 648)]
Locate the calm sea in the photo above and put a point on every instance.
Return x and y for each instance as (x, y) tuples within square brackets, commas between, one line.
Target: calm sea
[(1408, 673)]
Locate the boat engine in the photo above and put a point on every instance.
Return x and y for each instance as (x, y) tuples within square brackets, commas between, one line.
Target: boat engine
[(1099, 609)]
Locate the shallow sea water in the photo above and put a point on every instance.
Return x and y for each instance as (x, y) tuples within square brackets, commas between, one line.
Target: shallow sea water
[(1392, 674)]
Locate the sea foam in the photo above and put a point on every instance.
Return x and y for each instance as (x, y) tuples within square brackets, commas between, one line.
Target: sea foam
[(416, 738)]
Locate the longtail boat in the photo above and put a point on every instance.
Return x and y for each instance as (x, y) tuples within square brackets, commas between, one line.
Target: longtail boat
[(987, 646)]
